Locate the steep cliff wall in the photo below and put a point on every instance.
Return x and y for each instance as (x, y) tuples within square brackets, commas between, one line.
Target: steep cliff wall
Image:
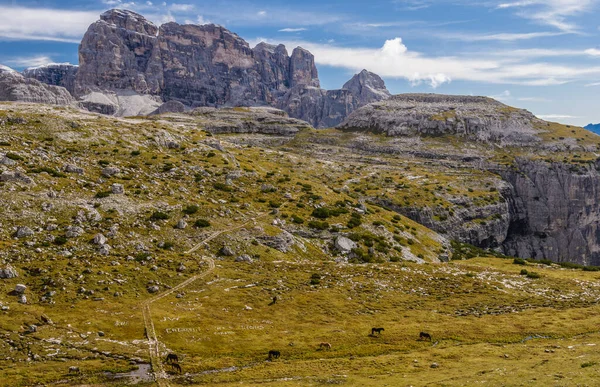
[(208, 65)]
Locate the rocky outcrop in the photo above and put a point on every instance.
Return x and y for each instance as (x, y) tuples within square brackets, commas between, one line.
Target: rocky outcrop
[(474, 118), (15, 87), (367, 87), (208, 65), (248, 120), (303, 70), (328, 108), (120, 51), (57, 74), (547, 209)]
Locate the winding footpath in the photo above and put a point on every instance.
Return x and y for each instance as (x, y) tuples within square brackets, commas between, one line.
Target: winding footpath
[(153, 342)]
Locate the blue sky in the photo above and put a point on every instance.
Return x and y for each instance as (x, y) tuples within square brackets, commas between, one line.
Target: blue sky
[(542, 55)]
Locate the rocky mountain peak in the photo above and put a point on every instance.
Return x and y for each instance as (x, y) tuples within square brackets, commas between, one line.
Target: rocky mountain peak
[(129, 20), (367, 87), (303, 70)]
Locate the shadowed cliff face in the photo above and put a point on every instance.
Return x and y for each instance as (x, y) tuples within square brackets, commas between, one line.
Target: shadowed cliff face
[(554, 212)]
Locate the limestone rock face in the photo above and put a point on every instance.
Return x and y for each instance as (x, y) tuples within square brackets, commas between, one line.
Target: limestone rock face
[(119, 51), (15, 87), (367, 87), (206, 66), (554, 212), (302, 69), (57, 74), (474, 118)]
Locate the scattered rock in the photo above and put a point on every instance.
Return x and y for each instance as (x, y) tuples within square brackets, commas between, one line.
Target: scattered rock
[(153, 289), (434, 365), (23, 232), (20, 289), (181, 268), (74, 232), (244, 258), (104, 250), (110, 171), (182, 224), (69, 168), (226, 251), (117, 189), (99, 239), (22, 299), (8, 272), (344, 245)]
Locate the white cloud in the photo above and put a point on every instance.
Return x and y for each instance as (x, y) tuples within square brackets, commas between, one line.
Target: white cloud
[(555, 116), (533, 99), (506, 37), (45, 24), (292, 29), (261, 13), (395, 60), (505, 95), (555, 13), (593, 84), (30, 61), (175, 7)]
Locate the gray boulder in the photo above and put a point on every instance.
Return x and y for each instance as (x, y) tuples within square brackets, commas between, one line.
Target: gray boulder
[(23, 232), (8, 272), (344, 245), (244, 258)]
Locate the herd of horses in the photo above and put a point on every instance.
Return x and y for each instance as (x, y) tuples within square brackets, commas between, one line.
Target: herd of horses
[(173, 360)]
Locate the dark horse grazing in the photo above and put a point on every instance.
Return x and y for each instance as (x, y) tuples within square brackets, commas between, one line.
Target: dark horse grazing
[(172, 358), (424, 336), (176, 367), (376, 330), (274, 354)]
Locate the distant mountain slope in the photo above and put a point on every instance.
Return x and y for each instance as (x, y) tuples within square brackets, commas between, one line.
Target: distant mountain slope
[(593, 128)]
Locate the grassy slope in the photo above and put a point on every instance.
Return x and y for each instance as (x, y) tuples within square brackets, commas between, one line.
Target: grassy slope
[(477, 311)]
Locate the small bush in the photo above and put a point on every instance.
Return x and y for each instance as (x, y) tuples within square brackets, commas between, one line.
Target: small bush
[(211, 154), (321, 213), (222, 187), (191, 209), (519, 261), (102, 194), (355, 220), (14, 156), (315, 279), (202, 223), (591, 268), (274, 204), (136, 153), (158, 215), (318, 225), (168, 245), (523, 272), (296, 219), (588, 364), (533, 275), (60, 240)]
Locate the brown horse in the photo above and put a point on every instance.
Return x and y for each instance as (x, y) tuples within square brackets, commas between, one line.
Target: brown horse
[(376, 330), (274, 354), (424, 336), (325, 345), (172, 358), (175, 367)]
